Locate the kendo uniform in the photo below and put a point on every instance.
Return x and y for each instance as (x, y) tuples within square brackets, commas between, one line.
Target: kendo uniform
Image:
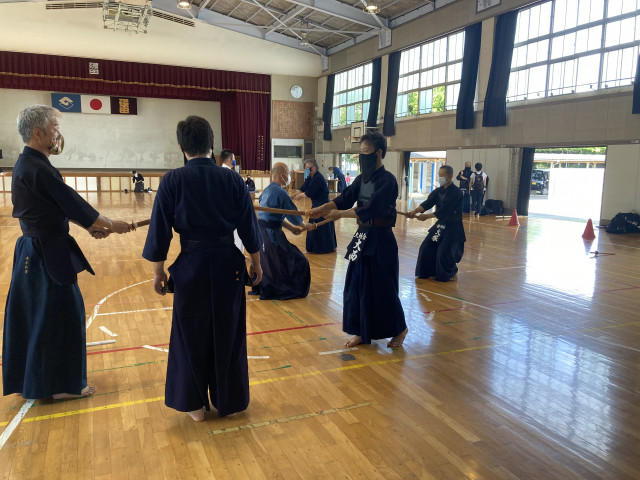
[(138, 183), (322, 240), (44, 345), (204, 203), (444, 246), (372, 308), (342, 183), (285, 269)]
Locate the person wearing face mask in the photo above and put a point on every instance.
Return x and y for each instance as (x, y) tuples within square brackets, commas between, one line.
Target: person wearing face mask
[(138, 181), (44, 348), (227, 159), (464, 177), (443, 247), (323, 239), (204, 204), (286, 270), (372, 308)]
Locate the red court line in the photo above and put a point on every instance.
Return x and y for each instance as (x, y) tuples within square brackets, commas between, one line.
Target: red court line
[(250, 333)]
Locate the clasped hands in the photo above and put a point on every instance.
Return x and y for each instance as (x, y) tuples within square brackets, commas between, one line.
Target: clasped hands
[(115, 226), (418, 214)]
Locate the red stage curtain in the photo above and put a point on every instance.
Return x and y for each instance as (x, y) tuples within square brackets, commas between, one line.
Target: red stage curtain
[(245, 97)]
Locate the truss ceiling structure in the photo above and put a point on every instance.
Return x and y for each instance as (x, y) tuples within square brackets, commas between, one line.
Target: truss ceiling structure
[(322, 27), (327, 26)]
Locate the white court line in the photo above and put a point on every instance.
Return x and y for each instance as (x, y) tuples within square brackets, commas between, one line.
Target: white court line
[(151, 347), (134, 311), (99, 304), (430, 316), (107, 331), (15, 421), (257, 358), (338, 351), (101, 342), (424, 295)]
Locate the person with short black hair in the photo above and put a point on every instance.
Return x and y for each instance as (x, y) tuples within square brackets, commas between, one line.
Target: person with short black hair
[(477, 187), (204, 203), (227, 159), (464, 177), (251, 185), (323, 239), (138, 182), (44, 349), (443, 247), (372, 308)]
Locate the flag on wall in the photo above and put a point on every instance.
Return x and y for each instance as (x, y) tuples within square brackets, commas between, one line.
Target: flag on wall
[(66, 102), (124, 106), (95, 104)]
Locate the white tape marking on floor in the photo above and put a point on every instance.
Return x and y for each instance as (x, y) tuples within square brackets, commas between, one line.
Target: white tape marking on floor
[(15, 422), (134, 311), (338, 351), (257, 358), (101, 342), (107, 331), (151, 347), (424, 295), (99, 304)]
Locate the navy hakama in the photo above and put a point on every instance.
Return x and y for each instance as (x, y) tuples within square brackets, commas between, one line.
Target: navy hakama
[(322, 240), (207, 348), (372, 308), (285, 269), (44, 346), (443, 247), (342, 183)]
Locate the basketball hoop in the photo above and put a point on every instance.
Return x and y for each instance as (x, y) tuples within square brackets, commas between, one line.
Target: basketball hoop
[(349, 141)]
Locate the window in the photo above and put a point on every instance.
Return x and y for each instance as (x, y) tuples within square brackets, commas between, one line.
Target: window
[(430, 76), (352, 93), (570, 46)]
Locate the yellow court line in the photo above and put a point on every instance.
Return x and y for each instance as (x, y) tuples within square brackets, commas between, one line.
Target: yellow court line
[(255, 382)]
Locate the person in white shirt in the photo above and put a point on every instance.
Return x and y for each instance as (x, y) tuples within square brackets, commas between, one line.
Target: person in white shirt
[(477, 187)]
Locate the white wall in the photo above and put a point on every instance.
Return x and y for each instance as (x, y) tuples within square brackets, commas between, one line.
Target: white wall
[(143, 141), (621, 181), (80, 33)]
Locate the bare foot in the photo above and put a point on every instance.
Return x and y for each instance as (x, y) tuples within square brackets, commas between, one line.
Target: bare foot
[(86, 392), (353, 341), (454, 278), (398, 339), (197, 415)]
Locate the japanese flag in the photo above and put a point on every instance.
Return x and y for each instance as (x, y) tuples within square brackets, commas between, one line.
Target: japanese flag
[(95, 104)]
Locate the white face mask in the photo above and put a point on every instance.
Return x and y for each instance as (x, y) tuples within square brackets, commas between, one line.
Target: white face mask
[(288, 180), (442, 181)]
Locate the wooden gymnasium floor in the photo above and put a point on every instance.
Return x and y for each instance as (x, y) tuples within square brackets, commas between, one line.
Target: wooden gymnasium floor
[(525, 368)]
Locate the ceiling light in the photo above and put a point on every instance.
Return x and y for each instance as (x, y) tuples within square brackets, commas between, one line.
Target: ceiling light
[(304, 42), (372, 8), (184, 4)]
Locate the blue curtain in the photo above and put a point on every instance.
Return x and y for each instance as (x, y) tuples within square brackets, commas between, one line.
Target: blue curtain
[(636, 90), (524, 188), (389, 127), (327, 107), (374, 104), (465, 114), (495, 102)]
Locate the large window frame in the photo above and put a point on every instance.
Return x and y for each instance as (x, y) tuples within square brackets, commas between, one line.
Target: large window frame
[(430, 76), (574, 46), (352, 95)]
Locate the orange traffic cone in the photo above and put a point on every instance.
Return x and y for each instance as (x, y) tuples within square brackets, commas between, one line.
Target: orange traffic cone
[(514, 219), (588, 231)]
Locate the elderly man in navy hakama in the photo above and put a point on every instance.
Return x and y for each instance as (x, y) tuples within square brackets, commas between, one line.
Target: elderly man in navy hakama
[(204, 203)]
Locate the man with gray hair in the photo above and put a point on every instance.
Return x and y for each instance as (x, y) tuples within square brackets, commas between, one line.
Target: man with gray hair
[(44, 348)]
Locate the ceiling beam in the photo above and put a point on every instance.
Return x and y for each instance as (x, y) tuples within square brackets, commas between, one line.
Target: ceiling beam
[(286, 17), (341, 10)]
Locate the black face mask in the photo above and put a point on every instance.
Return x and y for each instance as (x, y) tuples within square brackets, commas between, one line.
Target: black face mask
[(368, 165)]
